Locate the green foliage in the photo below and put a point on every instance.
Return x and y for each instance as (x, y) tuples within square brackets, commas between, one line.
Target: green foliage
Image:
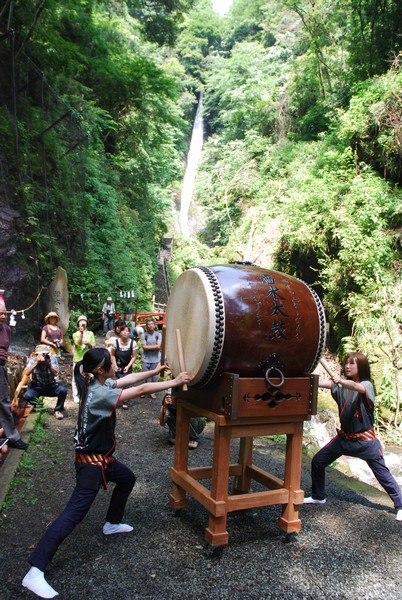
[(200, 35), (346, 247), (372, 124), (244, 21), (160, 18), (188, 254), (374, 35), (228, 179), (242, 91), (299, 143), (102, 206)]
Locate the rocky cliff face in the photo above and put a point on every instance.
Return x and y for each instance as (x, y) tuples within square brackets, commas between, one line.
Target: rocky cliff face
[(13, 273), (16, 272)]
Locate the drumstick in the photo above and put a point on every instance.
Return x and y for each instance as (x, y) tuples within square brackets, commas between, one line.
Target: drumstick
[(327, 368), (163, 353), (181, 357), (163, 346)]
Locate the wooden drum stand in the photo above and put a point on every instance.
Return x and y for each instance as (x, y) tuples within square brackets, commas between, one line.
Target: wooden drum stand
[(243, 408)]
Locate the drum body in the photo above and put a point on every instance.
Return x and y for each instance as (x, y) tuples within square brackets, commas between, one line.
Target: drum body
[(243, 319)]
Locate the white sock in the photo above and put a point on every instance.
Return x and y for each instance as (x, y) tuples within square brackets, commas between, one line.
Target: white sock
[(399, 515), (110, 528), (35, 581)]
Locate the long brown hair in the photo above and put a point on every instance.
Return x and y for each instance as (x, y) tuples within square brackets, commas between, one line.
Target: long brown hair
[(363, 367)]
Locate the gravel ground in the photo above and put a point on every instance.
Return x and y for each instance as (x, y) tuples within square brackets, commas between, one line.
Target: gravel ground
[(348, 549)]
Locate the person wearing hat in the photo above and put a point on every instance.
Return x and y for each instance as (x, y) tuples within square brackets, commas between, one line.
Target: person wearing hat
[(51, 334), (108, 315), (6, 416), (84, 340), (43, 369)]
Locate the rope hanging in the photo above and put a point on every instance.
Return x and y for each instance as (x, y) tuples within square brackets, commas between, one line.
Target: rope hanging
[(24, 310)]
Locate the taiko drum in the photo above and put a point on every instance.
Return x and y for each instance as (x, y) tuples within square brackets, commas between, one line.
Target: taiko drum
[(243, 319)]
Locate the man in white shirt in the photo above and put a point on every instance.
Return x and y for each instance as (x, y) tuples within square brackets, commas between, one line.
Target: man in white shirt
[(108, 315)]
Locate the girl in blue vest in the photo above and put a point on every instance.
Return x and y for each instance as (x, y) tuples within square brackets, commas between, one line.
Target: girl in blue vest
[(355, 398)]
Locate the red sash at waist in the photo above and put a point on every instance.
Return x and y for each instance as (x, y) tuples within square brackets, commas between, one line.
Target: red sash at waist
[(363, 436), (100, 460)]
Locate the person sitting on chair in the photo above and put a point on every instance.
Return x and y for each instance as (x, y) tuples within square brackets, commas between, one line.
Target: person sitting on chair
[(44, 368), (168, 417)]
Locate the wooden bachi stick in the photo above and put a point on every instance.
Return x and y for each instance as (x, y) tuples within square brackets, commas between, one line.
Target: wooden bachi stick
[(181, 357), (163, 346), (328, 369), (163, 353)]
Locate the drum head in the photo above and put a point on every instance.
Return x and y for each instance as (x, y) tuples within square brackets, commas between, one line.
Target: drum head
[(195, 307)]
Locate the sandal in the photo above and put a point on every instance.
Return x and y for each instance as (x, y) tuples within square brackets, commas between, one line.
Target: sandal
[(124, 405)]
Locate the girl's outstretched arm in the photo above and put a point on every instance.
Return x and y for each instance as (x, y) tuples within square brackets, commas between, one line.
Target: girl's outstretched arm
[(136, 377), (349, 384), (151, 388), (325, 383), (328, 383)]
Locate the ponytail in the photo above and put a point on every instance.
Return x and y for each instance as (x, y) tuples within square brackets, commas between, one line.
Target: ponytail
[(84, 370)]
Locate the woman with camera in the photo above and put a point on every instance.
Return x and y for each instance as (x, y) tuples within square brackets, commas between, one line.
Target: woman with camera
[(51, 334), (84, 340)]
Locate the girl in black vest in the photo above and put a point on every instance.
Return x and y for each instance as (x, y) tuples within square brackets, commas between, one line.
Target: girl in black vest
[(124, 352), (95, 463)]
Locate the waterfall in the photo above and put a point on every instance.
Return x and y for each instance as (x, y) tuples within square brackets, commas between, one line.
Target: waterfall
[(193, 158)]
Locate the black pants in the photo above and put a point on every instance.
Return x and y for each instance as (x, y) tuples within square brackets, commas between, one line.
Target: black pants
[(370, 451), (51, 390), (89, 480)]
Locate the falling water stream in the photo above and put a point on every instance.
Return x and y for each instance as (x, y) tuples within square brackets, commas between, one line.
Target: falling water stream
[(193, 158)]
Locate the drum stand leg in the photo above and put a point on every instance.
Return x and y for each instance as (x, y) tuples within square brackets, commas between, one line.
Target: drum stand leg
[(242, 483), (289, 521), (216, 533)]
